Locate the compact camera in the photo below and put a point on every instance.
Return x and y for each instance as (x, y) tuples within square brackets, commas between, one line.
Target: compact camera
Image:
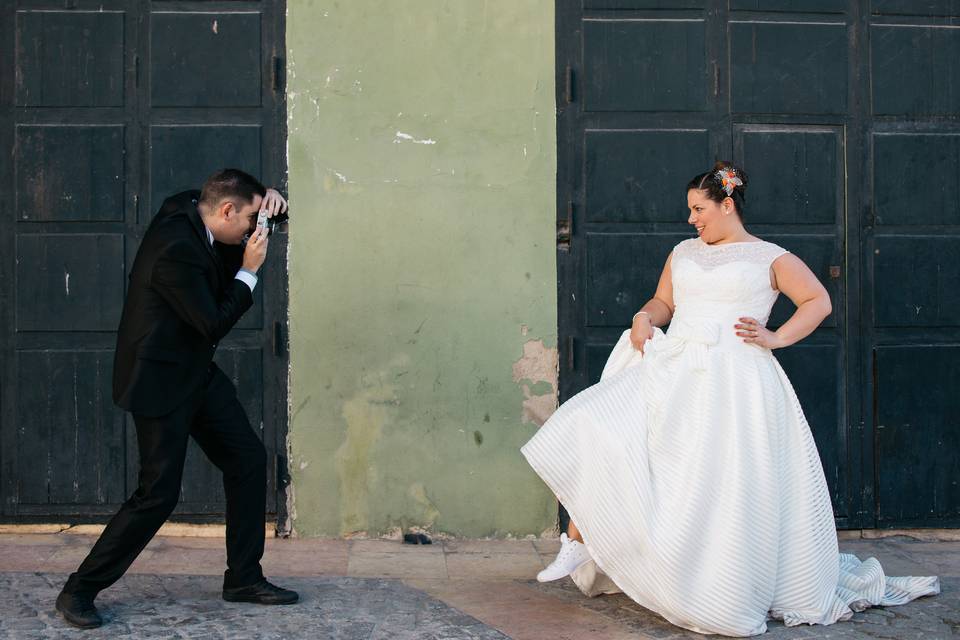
[(271, 224)]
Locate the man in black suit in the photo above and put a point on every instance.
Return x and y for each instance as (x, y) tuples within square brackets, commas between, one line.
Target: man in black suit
[(185, 294)]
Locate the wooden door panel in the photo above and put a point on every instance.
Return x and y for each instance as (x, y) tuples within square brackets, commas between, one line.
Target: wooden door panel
[(796, 173), (70, 58), (69, 282), (917, 281), (643, 4), (791, 6), (636, 176), (918, 435), (912, 70), (69, 435), (205, 59), (70, 172), (624, 70), (945, 8), (914, 178), (788, 68)]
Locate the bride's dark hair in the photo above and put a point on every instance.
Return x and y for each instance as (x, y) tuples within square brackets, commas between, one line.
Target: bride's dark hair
[(711, 182)]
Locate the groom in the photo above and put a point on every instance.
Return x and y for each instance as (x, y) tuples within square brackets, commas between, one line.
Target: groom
[(184, 296)]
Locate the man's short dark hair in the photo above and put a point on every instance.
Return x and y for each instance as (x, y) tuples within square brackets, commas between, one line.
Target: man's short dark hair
[(231, 184)]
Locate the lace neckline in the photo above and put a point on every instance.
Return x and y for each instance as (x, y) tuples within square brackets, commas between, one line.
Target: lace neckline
[(728, 244), (711, 255)]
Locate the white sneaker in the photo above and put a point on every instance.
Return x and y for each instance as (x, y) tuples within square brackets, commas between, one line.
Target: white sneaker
[(572, 555)]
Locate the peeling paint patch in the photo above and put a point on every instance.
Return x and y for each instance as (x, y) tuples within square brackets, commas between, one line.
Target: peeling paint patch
[(215, 28), (539, 364), (336, 182), (401, 137)]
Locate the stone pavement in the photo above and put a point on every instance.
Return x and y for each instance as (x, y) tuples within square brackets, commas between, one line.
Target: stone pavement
[(177, 606), (365, 589)]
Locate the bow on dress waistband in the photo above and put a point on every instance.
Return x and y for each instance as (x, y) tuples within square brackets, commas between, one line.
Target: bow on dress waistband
[(689, 340)]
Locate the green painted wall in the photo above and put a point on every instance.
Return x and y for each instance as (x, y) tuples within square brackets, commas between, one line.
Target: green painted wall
[(422, 164)]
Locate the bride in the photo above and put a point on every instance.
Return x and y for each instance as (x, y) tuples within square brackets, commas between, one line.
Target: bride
[(689, 472)]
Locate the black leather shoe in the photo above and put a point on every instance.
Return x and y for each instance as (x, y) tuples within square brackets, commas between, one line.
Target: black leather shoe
[(78, 610), (260, 593)]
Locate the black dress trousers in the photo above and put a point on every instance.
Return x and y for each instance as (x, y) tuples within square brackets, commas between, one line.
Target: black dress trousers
[(215, 419)]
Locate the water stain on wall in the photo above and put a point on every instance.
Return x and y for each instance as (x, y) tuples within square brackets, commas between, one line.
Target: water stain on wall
[(428, 512), (365, 415)]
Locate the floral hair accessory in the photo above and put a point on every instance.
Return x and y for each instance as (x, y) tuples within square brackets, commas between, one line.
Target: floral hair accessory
[(728, 180)]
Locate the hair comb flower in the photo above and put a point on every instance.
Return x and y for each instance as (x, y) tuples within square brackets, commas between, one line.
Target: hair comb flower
[(728, 180)]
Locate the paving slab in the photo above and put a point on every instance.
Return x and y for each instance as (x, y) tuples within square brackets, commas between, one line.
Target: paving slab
[(397, 565)]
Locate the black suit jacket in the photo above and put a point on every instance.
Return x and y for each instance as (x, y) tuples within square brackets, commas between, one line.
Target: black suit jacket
[(181, 301)]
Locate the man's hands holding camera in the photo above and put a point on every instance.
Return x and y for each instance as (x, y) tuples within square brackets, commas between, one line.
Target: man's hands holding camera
[(255, 253), (273, 211), (274, 204)]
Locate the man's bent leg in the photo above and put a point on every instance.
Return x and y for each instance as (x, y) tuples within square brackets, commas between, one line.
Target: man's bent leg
[(162, 443), (222, 430)]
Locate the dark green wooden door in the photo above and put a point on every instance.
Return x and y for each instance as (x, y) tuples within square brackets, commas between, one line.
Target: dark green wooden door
[(846, 116), (108, 107), (912, 261)]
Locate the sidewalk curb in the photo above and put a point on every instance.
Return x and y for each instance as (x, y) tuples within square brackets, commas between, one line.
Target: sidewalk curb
[(170, 529), (190, 530)]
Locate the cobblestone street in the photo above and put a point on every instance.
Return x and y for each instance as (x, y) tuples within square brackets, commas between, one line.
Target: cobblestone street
[(150, 606), (366, 589)]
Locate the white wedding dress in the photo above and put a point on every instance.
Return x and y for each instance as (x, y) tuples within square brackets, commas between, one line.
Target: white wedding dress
[(692, 473)]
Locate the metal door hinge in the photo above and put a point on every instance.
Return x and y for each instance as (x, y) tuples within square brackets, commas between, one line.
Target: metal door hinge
[(279, 73), (571, 347), (568, 85), (565, 229), (278, 338), (283, 475)]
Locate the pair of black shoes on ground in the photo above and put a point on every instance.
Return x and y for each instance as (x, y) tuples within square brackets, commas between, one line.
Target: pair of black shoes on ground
[(79, 610)]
